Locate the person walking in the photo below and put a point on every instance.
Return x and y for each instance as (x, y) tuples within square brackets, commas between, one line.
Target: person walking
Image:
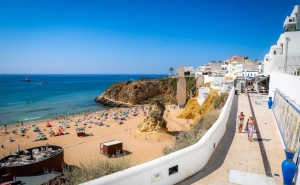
[(252, 88), (250, 126), (240, 121)]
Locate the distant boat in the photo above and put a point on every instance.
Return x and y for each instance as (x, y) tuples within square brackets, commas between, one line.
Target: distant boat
[(26, 79), (44, 82)]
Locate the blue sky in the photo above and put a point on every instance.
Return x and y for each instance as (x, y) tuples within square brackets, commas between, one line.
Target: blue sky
[(133, 37)]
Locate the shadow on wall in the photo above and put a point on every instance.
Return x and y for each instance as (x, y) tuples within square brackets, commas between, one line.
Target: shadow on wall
[(219, 155)]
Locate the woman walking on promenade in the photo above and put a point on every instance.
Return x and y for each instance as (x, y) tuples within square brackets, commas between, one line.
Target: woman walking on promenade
[(250, 126), (240, 121)]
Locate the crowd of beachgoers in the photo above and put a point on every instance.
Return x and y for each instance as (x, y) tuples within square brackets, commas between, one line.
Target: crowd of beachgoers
[(84, 132)]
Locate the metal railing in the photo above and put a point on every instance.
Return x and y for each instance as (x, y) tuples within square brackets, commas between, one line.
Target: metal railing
[(287, 63)]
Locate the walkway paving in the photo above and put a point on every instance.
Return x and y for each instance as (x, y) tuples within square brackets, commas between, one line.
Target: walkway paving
[(239, 161)]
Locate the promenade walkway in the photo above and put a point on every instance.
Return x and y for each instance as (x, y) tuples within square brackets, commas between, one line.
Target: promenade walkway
[(239, 161)]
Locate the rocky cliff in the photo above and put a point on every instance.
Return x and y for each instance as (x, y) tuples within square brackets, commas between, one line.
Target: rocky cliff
[(124, 94)]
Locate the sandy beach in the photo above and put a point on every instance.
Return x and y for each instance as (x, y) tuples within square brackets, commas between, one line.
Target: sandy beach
[(143, 147)]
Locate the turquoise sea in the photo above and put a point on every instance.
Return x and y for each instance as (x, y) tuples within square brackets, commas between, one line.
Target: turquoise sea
[(61, 95)]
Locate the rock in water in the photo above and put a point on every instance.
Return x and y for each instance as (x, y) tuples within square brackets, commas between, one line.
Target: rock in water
[(155, 121)]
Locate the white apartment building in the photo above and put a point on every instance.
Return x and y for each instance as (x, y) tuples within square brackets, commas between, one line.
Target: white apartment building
[(285, 54), (237, 64), (213, 66), (184, 70)]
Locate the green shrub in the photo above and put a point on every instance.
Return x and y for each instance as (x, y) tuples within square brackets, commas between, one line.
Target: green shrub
[(94, 169), (221, 100), (135, 86), (128, 82)]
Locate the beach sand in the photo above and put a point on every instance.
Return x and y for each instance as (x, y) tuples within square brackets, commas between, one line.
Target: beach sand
[(143, 147)]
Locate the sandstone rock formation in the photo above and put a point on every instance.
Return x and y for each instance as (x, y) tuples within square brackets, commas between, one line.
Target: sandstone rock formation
[(193, 110), (155, 121), (124, 94), (139, 92)]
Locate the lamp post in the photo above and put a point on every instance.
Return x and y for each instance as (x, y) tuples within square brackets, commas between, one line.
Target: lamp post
[(286, 53)]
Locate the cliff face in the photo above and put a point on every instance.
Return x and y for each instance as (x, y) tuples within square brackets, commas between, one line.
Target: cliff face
[(132, 93), (124, 94)]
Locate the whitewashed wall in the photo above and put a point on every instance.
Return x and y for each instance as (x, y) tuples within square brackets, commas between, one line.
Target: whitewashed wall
[(288, 84), (213, 78), (202, 93), (189, 160)]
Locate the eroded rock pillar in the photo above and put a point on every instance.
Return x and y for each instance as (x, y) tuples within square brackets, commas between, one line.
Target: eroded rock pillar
[(181, 91), (199, 81)]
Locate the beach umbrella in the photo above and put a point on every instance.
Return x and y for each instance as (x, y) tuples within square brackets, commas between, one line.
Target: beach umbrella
[(18, 150)]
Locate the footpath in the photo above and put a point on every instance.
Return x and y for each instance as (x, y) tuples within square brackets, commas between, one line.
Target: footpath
[(236, 160)]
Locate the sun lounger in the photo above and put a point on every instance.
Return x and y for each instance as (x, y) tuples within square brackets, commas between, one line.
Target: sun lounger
[(43, 136)]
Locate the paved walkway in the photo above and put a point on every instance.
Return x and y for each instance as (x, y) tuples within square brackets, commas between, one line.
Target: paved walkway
[(239, 161)]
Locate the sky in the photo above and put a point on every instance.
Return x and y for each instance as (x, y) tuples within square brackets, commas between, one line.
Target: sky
[(133, 37)]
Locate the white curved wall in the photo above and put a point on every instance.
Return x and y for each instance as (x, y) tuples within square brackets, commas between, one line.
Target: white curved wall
[(189, 160)]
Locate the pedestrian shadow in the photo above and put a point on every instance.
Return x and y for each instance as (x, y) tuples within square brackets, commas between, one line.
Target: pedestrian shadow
[(256, 139), (219, 155)]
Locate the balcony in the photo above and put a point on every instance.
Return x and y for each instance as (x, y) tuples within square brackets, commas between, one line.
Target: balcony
[(290, 24)]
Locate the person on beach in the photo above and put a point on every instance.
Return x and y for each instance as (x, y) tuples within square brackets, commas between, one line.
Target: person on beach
[(240, 121), (251, 127)]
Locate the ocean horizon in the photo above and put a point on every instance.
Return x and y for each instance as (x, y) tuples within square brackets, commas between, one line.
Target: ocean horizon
[(49, 95)]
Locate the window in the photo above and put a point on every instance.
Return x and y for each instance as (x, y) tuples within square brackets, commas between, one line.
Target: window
[(173, 170), (274, 52)]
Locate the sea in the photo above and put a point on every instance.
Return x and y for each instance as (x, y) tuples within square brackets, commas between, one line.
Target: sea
[(65, 94)]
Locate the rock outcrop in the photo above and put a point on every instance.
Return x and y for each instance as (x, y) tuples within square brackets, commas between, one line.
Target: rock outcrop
[(143, 92), (133, 93), (139, 92), (111, 103), (193, 110), (155, 121)]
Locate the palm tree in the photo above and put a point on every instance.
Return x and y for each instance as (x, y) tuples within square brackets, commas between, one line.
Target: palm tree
[(171, 70)]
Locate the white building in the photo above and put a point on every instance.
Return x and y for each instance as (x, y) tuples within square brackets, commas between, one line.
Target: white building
[(237, 64), (185, 70), (249, 73), (202, 93), (285, 54), (211, 67)]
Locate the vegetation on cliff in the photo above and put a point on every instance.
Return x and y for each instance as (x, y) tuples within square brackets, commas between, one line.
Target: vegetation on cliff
[(193, 110), (188, 138), (143, 92), (204, 116)]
